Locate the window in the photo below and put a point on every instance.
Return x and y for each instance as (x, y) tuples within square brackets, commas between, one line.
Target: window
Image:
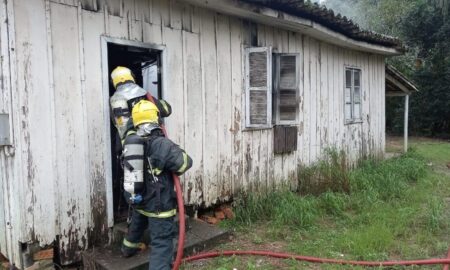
[(352, 108), (266, 106), (258, 87), (285, 94)]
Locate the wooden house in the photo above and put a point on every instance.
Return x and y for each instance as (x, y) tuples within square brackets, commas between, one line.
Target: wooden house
[(258, 89)]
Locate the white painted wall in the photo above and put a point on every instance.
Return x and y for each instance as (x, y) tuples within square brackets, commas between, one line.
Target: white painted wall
[(55, 183)]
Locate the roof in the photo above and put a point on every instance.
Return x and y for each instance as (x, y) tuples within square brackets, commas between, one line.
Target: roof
[(326, 17), (397, 84)]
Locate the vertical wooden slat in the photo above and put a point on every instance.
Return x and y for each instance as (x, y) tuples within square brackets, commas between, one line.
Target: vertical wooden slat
[(225, 105), (34, 111), (237, 109), (209, 88), (176, 12), (173, 91), (161, 12), (187, 11), (307, 100), (92, 28), (70, 132), (136, 30), (314, 46), (193, 117), (292, 156), (321, 99), (6, 174), (260, 137), (152, 33), (270, 181), (331, 101)]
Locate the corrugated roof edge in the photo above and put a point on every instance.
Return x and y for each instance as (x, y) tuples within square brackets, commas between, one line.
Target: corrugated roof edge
[(391, 70), (326, 17)]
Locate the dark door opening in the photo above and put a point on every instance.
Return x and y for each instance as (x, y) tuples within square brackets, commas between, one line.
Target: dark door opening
[(145, 63)]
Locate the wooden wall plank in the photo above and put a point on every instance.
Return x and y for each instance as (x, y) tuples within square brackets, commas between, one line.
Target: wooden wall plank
[(161, 12), (307, 100), (382, 80), (186, 17), (143, 10), (292, 156), (237, 109), (176, 11), (314, 54), (260, 143), (136, 30), (270, 174), (36, 146), (70, 136), (117, 27), (331, 98), (93, 27), (152, 33), (225, 105), (193, 119), (210, 95), (173, 91)]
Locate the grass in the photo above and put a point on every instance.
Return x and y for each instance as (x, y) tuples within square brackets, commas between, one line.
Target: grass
[(393, 209)]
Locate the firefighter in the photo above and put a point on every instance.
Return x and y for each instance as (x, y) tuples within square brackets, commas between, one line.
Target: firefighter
[(127, 94), (158, 208)]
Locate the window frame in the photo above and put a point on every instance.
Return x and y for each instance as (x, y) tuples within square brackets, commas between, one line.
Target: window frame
[(352, 119), (247, 51), (276, 88)]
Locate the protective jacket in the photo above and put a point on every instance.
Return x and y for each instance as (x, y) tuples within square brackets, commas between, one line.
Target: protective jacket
[(124, 98), (163, 157)]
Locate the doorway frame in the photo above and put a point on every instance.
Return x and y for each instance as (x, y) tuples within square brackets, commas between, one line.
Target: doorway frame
[(105, 40)]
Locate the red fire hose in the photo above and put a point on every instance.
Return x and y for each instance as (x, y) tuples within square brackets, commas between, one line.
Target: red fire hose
[(313, 259), (181, 236)]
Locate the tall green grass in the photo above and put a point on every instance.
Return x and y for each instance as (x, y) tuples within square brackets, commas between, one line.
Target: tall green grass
[(339, 191)]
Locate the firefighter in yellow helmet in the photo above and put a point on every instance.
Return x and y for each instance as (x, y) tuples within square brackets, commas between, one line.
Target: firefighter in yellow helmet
[(158, 208), (127, 94)]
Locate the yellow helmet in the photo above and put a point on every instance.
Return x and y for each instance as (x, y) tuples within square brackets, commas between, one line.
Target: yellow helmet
[(121, 75), (144, 112)]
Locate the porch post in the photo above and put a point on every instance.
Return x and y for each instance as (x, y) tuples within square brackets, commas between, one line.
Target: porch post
[(405, 132)]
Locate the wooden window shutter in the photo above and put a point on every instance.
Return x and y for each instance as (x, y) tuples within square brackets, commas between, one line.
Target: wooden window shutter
[(284, 139), (286, 88), (258, 86)]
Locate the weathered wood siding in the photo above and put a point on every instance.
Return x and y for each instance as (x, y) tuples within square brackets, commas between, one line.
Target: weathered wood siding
[(55, 182)]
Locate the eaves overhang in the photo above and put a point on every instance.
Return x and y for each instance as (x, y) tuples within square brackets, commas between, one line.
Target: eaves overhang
[(270, 16)]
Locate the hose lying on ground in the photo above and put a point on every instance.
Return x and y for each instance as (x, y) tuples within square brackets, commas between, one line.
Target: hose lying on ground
[(279, 255)]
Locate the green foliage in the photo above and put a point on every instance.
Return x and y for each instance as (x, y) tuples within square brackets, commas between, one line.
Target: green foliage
[(329, 174), (281, 208)]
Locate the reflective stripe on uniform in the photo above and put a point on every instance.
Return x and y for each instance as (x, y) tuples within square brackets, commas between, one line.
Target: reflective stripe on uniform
[(164, 105), (166, 214), (157, 171), (185, 163), (131, 244)]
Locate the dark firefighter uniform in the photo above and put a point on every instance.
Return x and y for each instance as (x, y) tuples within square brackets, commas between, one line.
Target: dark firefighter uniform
[(158, 209)]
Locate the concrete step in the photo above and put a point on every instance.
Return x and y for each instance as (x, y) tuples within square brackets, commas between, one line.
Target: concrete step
[(121, 229), (200, 236)]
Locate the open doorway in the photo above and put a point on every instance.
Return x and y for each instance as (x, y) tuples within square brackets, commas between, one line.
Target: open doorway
[(145, 61)]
